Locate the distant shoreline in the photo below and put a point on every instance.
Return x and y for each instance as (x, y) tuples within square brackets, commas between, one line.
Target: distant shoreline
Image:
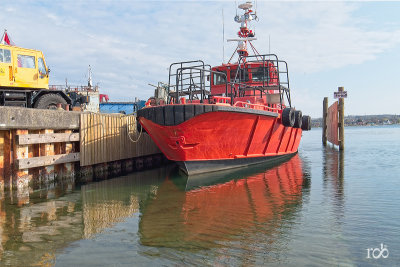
[(364, 120), (369, 125)]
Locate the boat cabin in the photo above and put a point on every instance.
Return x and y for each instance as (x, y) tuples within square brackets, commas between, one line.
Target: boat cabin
[(251, 75)]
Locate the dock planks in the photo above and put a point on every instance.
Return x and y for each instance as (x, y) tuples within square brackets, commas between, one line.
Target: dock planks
[(104, 138)]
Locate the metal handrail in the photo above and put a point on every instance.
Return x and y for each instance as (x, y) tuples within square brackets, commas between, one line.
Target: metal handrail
[(245, 60), (180, 71), (251, 105), (190, 79), (79, 88), (181, 64)]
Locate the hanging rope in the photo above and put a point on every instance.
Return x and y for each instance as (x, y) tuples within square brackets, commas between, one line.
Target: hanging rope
[(255, 50), (233, 54), (130, 138)]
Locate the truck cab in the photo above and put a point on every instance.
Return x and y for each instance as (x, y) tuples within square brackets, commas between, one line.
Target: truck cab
[(22, 68), (24, 80)]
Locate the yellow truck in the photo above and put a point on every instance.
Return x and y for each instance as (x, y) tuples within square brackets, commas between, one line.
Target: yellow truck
[(24, 80)]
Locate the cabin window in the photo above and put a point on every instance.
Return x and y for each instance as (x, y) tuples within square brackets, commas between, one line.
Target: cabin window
[(242, 76), (260, 74), (41, 67), (5, 56), (25, 61), (219, 78)]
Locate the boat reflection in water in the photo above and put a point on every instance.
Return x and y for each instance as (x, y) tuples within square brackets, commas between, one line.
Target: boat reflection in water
[(247, 211), (253, 206)]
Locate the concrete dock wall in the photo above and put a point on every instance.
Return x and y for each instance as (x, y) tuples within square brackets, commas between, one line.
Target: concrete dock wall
[(38, 147)]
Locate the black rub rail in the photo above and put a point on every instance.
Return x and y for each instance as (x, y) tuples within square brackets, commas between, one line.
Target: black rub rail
[(170, 115)]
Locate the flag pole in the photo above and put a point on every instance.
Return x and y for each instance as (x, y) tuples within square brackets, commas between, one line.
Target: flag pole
[(2, 38)]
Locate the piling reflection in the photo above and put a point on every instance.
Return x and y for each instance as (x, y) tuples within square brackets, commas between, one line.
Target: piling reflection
[(34, 226), (229, 207), (111, 201), (333, 176)]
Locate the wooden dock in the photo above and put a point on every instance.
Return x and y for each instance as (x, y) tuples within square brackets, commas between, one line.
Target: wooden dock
[(40, 146)]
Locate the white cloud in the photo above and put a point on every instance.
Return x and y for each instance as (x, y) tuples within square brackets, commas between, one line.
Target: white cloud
[(130, 43), (320, 36)]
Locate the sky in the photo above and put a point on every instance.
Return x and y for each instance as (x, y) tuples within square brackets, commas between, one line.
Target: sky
[(130, 44)]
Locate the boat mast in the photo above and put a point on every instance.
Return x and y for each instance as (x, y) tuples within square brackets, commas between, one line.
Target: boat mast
[(90, 77), (245, 34)]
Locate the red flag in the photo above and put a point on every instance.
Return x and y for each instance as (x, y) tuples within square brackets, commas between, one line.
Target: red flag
[(6, 39)]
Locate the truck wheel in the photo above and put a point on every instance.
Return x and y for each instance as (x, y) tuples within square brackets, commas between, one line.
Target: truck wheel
[(49, 101)]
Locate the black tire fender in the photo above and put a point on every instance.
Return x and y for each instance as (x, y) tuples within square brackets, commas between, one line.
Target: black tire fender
[(298, 119), (306, 123), (288, 117)]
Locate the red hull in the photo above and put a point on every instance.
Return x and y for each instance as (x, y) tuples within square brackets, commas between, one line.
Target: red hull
[(227, 136)]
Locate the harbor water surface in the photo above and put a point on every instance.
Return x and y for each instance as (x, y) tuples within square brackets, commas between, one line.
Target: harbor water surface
[(320, 208)]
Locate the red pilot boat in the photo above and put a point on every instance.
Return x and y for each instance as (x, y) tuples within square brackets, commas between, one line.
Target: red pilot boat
[(227, 116)]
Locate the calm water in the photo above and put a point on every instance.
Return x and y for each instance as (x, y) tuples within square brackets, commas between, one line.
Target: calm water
[(320, 208)]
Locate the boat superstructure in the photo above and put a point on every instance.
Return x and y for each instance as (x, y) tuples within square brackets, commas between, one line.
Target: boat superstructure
[(231, 115)]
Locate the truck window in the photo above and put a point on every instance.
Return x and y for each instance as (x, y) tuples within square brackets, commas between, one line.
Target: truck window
[(5, 56), (41, 67), (25, 61), (219, 78)]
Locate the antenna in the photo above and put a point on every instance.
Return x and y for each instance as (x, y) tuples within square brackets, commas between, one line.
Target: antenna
[(223, 37), (90, 77), (269, 44), (236, 7)]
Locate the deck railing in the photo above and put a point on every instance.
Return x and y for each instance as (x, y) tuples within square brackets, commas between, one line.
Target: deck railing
[(192, 79)]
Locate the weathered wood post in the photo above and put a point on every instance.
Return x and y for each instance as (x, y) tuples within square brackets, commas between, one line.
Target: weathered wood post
[(7, 170), (2, 155), (47, 173), (341, 120), (21, 176), (324, 122)]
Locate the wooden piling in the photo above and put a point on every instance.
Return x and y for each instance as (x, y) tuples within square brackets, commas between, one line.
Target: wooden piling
[(7, 170), (2, 162), (333, 120), (69, 169), (21, 177), (324, 121), (47, 149), (341, 120)]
